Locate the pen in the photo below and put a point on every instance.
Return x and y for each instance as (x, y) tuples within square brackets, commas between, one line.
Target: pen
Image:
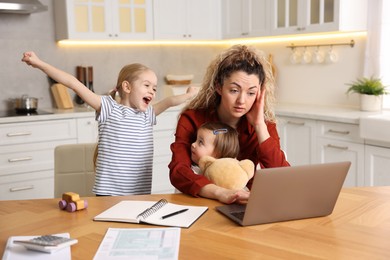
[(174, 213)]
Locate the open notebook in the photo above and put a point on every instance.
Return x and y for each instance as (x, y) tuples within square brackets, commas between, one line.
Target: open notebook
[(160, 213), (288, 193)]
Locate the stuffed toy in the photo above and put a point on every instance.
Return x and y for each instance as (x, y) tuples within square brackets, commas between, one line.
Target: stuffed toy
[(228, 173)]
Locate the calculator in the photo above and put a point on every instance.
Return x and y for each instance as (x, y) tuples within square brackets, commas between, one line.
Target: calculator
[(47, 243)]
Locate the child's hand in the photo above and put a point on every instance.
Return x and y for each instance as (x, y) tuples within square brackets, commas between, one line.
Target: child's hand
[(30, 58), (193, 90)]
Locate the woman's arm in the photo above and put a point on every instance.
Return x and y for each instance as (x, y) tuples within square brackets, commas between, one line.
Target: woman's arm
[(64, 78)]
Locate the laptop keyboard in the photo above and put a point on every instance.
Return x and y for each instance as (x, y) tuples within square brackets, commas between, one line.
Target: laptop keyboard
[(238, 214)]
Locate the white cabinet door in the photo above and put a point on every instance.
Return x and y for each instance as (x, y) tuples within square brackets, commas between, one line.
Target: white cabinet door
[(169, 19), (331, 150), (297, 138), (132, 19), (163, 134), (341, 142), (87, 130), (311, 16), (377, 166), (245, 18), (186, 19), (103, 19)]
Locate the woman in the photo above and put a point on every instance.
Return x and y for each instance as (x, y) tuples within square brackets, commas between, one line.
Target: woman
[(238, 90)]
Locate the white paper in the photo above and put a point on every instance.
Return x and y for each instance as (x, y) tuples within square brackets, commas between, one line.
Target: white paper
[(139, 244), (19, 252)]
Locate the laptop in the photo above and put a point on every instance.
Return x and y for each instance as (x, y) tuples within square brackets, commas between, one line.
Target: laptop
[(290, 193)]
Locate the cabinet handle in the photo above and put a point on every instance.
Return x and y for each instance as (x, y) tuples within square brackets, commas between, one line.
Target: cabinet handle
[(338, 132), (337, 147), (301, 28), (27, 158), (244, 33), (295, 123), (18, 134), (29, 187)]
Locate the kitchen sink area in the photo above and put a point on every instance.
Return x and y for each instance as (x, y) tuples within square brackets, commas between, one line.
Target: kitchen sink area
[(375, 127)]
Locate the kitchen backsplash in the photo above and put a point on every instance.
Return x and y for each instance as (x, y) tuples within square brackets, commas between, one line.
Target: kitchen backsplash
[(321, 84)]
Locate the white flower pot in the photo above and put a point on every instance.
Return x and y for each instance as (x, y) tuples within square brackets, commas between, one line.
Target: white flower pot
[(370, 102)]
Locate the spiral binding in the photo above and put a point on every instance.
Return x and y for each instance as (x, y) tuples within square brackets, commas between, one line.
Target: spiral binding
[(149, 211)]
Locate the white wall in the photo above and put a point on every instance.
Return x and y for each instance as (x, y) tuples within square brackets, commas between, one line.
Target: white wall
[(310, 84), (318, 84)]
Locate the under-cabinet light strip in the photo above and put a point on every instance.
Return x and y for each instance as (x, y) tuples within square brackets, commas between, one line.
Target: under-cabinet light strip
[(259, 40)]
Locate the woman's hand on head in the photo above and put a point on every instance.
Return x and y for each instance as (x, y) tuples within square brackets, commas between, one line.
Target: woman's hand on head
[(255, 115), (256, 118)]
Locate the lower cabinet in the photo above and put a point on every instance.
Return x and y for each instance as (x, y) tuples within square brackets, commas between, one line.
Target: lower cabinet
[(330, 150), (164, 136), (27, 153), (297, 139), (308, 141), (87, 130), (27, 156), (341, 142), (377, 165)]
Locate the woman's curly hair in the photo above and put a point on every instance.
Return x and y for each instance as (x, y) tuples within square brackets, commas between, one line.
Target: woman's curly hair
[(236, 58)]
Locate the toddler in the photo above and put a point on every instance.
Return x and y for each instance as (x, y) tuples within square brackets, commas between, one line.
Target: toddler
[(214, 139)]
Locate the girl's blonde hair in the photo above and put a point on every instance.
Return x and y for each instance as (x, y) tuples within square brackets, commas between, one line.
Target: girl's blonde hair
[(226, 143), (128, 73), (236, 58)]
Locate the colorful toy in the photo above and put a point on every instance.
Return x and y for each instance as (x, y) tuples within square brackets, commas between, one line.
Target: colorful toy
[(228, 173), (71, 202)]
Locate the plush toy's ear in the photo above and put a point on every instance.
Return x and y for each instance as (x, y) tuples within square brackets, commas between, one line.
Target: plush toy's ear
[(248, 167), (205, 162)]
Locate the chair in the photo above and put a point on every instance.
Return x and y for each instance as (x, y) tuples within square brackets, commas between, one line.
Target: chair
[(73, 169)]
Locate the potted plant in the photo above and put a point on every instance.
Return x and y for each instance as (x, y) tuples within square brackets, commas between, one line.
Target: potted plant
[(371, 91)]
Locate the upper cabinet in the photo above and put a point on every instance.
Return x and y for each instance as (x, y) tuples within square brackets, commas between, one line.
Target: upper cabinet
[(187, 19), (245, 18), (204, 19), (103, 19), (311, 16)]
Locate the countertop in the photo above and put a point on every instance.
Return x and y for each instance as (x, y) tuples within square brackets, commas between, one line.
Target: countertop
[(327, 113), (76, 112)]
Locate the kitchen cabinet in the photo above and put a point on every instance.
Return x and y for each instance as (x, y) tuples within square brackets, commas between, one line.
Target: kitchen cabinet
[(245, 18), (341, 142), (377, 165), (187, 19), (27, 157), (312, 16), (337, 138), (308, 141), (87, 130), (163, 134), (297, 138), (103, 19)]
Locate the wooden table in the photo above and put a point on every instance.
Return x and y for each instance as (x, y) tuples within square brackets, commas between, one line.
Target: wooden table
[(359, 228)]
